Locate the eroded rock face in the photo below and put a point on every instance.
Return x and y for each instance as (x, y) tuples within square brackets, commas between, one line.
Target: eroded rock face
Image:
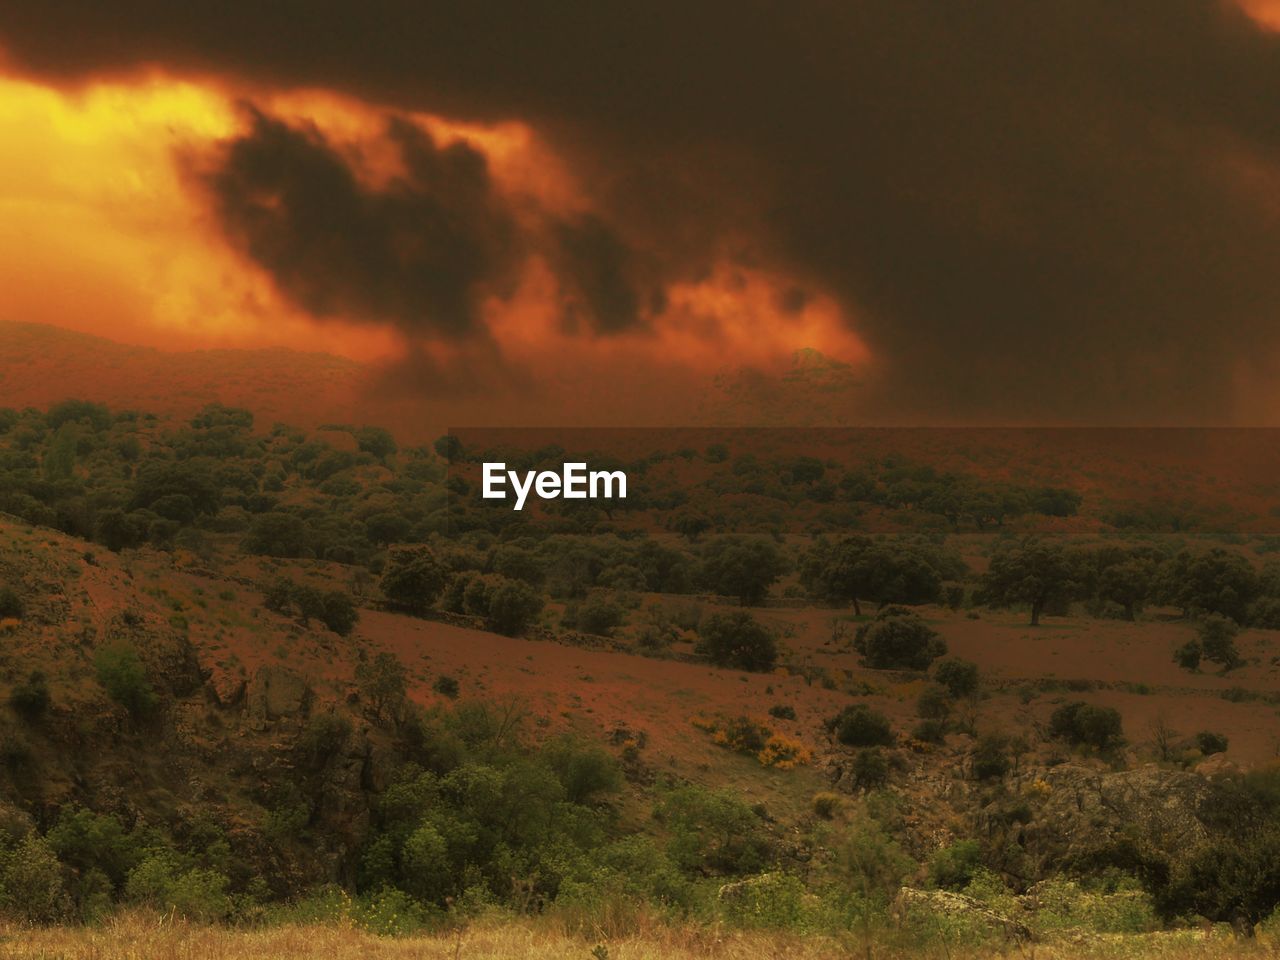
[(276, 692), (1070, 813)]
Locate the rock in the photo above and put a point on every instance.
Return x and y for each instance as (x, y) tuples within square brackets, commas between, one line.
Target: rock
[(276, 692), (1077, 811), (935, 903)]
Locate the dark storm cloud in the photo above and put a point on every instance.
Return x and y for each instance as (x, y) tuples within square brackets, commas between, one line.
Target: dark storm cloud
[(420, 252), (1065, 208), (600, 277)]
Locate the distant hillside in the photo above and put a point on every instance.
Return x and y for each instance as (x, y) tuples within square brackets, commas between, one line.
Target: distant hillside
[(40, 365)]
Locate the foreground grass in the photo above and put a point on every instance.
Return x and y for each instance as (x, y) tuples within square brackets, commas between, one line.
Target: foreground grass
[(148, 937)]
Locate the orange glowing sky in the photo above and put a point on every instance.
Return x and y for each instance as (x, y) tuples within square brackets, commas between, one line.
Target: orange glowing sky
[(103, 232), (929, 213)]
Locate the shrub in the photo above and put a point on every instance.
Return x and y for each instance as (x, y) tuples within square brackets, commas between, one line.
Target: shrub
[(11, 604), (930, 731), (826, 804), (125, 679), (953, 867), (31, 882), (712, 831), (195, 894), (513, 606), (1082, 723), (1188, 655), (990, 757), (934, 702), (413, 579), (382, 682), (1217, 636), (585, 770), (599, 615), (898, 638), (960, 677), (446, 686), (737, 640), (783, 711), (1209, 742), (30, 700), (338, 612), (870, 769), (860, 726)]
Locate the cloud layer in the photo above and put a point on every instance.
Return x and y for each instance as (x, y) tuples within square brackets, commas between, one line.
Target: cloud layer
[(1066, 209)]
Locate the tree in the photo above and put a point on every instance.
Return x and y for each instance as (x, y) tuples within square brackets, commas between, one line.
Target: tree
[(278, 534), (742, 567), (735, 639), (898, 638), (377, 441), (1031, 572), (858, 725), (960, 677), (1217, 638), (1216, 581), (413, 579), (382, 683), (125, 679), (1082, 723), (513, 606), (1127, 583), (884, 571)]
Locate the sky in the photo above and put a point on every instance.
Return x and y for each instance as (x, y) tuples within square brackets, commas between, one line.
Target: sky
[(991, 212)]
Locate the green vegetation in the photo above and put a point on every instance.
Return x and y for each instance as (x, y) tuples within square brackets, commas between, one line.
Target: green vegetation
[(736, 639)]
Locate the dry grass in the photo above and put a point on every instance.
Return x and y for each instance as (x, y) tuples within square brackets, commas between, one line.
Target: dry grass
[(143, 937)]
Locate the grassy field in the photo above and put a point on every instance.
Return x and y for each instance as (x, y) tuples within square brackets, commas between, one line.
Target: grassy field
[(151, 937)]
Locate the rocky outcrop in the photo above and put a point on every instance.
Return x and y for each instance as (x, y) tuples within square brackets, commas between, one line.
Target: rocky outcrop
[(276, 692), (1071, 813), (922, 906)]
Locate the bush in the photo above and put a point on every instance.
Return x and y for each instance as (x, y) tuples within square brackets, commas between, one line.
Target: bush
[(737, 640), (870, 769), (413, 579), (338, 612), (712, 831), (960, 677), (1210, 743), (860, 726), (1081, 723), (783, 711), (11, 604), (30, 700), (953, 867), (934, 702), (584, 770), (1188, 655), (195, 894), (990, 757), (446, 686), (898, 638), (930, 731), (382, 683), (598, 615), (125, 679), (826, 804), (1217, 636), (31, 881), (513, 606)]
